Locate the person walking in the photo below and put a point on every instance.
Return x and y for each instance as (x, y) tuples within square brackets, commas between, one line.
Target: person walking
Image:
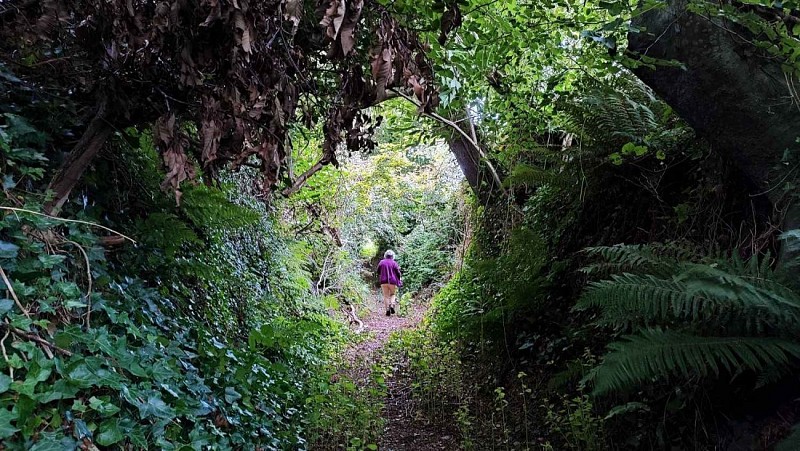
[(389, 277)]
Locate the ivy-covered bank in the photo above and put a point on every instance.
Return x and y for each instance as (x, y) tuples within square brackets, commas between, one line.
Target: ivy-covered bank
[(196, 328), (138, 319)]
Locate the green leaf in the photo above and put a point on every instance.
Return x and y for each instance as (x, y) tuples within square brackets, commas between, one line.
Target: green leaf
[(67, 289), (80, 430), (110, 433), (49, 261), (104, 408), (231, 395), (5, 306), (156, 407), (8, 250), (53, 442), (5, 382), (6, 429)]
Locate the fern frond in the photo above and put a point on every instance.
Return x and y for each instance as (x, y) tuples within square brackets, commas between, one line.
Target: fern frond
[(524, 174), (654, 258), (773, 303), (700, 294), (628, 296), (655, 353)]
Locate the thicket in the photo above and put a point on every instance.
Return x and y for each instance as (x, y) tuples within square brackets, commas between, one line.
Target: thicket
[(681, 327), (197, 328), (208, 326)]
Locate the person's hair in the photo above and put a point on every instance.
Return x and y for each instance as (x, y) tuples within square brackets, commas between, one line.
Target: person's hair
[(389, 254)]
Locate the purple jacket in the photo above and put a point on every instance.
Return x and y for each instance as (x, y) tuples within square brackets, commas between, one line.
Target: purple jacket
[(389, 272)]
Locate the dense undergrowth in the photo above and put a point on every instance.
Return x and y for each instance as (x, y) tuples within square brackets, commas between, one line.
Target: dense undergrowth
[(694, 313), (200, 330), (623, 281), (138, 320)]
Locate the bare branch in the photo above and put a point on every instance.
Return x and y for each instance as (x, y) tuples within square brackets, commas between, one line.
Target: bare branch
[(301, 181), (466, 137)]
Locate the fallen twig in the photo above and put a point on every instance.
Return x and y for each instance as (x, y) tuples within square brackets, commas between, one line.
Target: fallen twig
[(13, 293), (5, 355), (47, 346), (351, 315), (77, 221), (88, 279)]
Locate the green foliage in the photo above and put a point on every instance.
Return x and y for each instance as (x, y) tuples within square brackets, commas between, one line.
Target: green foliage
[(435, 380), (574, 420), (346, 414), (655, 353), (654, 258), (137, 374), (427, 254), (524, 174), (623, 121), (368, 249), (485, 292), (20, 148), (691, 319), (202, 335)]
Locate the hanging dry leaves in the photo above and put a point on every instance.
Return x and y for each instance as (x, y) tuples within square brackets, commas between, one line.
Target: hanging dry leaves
[(292, 12), (237, 70), (173, 143), (451, 19)]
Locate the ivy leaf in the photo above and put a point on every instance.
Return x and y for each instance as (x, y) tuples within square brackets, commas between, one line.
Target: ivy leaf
[(49, 442), (80, 430), (110, 433), (5, 382), (231, 395), (68, 289), (104, 408), (8, 250), (5, 306), (6, 429), (156, 407), (49, 261)]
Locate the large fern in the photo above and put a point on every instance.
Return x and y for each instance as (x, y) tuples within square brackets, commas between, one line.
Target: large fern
[(654, 258), (655, 353), (524, 174), (696, 293), (690, 319), (606, 118)]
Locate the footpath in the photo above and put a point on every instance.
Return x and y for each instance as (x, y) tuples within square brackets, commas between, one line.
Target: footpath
[(405, 428)]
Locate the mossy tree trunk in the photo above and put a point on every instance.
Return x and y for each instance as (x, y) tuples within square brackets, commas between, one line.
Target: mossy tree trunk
[(733, 95)]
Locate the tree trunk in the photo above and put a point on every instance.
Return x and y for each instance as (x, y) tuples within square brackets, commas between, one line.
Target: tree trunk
[(78, 160), (733, 96), (468, 160)]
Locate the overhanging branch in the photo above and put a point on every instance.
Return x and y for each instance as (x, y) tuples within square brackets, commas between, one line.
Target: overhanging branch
[(301, 181), (464, 134)]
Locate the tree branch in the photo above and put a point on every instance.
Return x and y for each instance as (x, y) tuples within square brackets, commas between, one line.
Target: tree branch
[(33, 337), (301, 181), (79, 158), (464, 134)]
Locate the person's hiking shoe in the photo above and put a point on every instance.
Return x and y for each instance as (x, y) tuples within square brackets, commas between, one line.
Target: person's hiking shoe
[(392, 309)]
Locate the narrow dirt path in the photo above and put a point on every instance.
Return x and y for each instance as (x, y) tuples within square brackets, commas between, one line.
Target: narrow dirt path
[(406, 429)]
